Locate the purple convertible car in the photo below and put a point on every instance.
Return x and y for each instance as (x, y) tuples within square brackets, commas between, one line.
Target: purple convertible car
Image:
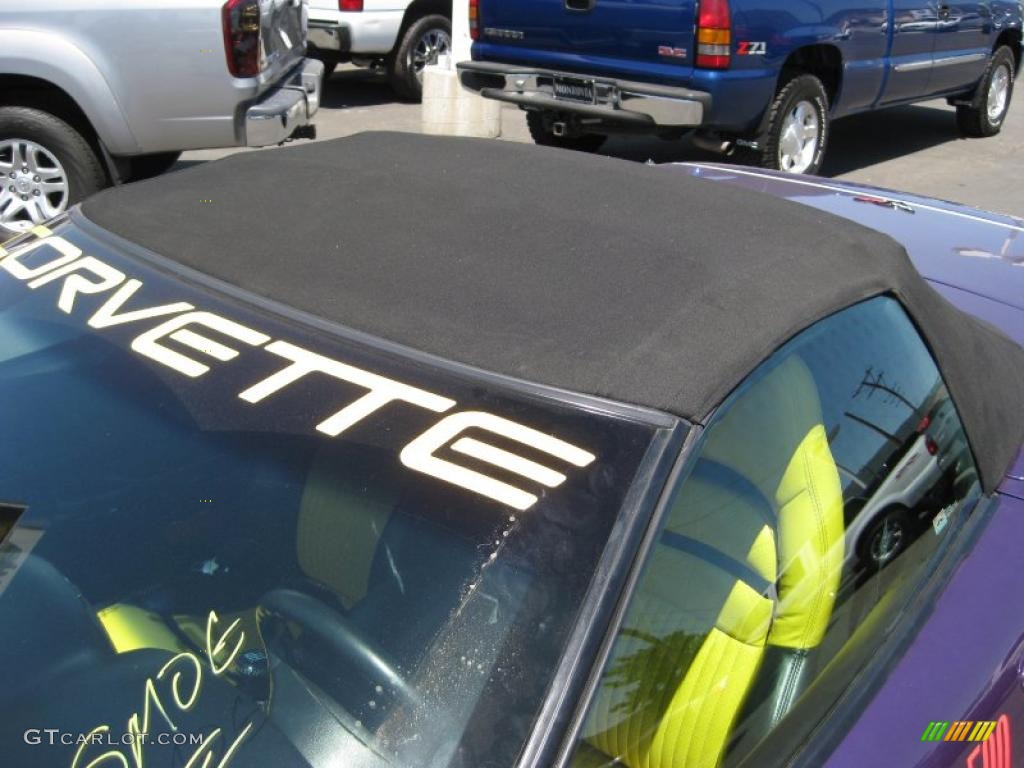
[(580, 464)]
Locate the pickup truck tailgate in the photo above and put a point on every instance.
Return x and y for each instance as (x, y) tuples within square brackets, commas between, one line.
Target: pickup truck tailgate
[(634, 30), (283, 34)]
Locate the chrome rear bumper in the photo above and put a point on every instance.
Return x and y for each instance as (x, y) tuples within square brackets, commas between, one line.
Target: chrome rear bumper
[(287, 108), (639, 104)]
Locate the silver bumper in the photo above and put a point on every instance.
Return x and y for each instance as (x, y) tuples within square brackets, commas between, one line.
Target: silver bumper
[(330, 36), (639, 104), (286, 108)]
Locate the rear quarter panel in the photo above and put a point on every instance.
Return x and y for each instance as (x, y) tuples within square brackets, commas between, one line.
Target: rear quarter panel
[(48, 56), (963, 664), (950, 244), (164, 61), (856, 30)]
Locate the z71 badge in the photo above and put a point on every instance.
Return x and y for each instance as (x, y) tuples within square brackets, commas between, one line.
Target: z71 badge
[(749, 48)]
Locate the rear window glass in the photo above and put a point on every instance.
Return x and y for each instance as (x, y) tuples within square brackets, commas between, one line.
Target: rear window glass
[(229, 535)]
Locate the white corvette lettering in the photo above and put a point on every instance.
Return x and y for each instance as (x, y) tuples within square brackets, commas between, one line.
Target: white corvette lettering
[(87, 275), (75, 283), (65, 250), (419, 455), (109, 314), (382, 390), (147, 344)]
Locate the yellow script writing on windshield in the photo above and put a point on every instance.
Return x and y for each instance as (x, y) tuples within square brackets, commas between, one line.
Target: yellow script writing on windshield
[(175, 689)]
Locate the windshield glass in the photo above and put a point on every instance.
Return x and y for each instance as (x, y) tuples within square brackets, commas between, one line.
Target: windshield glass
[(231, 537)]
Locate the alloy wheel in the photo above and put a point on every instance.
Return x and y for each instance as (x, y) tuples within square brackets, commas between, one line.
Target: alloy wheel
[(887, 542), (431, 46), (798, 141), (998, 93), (35, 185)]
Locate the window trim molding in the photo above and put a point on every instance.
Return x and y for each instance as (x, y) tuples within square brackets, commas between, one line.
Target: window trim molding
[(680, 470), (609, 587)]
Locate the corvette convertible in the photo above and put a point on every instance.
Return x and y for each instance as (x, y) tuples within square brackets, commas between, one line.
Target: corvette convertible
[(524, 458)]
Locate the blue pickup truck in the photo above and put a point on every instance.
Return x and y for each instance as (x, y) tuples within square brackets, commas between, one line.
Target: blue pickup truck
[(763, 78)]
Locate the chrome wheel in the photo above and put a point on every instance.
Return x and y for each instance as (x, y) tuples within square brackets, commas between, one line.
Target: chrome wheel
[(432, 45), (35, 185), (798, 142), (887, 542), (998, 93)]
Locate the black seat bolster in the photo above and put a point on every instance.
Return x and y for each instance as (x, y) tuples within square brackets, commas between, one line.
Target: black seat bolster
[(784, 674)]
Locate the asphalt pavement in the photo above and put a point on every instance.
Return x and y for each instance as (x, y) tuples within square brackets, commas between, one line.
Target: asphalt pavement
[(915, 148)]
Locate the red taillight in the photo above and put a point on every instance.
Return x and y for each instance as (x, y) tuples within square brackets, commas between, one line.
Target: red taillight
[(241, 20), (350, 5), (923, 424), (474, 19), (931, 445), (714, 34)]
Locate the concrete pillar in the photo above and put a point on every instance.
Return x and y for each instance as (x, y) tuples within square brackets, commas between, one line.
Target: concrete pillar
[(448, 108), (461, 41)]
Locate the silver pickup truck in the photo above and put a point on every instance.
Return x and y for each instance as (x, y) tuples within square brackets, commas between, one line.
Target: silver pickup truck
[(94, 93)]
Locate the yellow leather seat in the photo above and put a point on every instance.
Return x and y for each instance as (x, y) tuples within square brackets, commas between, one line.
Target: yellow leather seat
[(750, 558), (340, 523)]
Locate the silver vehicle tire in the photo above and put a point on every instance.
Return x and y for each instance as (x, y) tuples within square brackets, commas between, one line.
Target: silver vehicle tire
[(423, 43), (46, 167), (990, 102)]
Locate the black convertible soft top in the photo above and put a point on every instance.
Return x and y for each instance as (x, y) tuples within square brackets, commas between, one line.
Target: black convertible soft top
[(597, 275)]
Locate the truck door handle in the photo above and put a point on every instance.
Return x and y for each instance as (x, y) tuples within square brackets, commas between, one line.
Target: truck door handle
[(579, 5)]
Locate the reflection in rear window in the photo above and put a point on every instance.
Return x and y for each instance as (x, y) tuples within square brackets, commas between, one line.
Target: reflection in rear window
[(192, 573)]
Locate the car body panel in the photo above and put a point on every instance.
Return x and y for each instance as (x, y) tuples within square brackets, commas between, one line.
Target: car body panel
[(1013, 485), (1006, 318), (891, 51), (113, 59), (963, 664), (370, 31), (974, 251), (48, 56), (633, 33)]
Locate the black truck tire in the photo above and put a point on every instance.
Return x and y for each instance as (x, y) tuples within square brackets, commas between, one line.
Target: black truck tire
[(539, 124), (82, 168), (985, 114), (801, 101)]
